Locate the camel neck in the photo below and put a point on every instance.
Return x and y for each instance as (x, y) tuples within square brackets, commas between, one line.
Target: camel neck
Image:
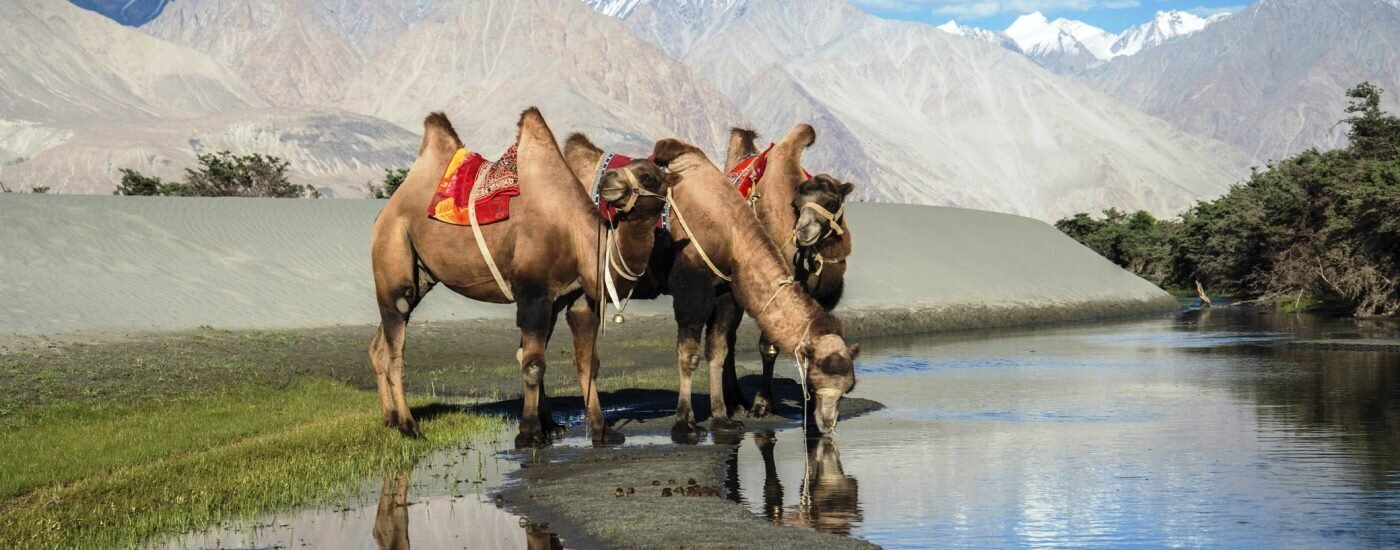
[(762, 278)]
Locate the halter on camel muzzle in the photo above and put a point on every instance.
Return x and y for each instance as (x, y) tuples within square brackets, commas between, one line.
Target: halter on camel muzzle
[(833, 221), (625, 198)]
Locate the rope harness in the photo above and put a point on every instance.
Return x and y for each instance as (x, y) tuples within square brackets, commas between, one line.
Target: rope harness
[(691, 236), (614, 264)]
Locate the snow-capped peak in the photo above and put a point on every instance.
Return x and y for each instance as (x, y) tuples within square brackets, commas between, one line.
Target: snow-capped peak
[(1037, 35), (981, 35), (1166, 25)]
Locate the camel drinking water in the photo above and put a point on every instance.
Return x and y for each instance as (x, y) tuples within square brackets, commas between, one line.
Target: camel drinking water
[(720, 249), (549, 255), (804, 216), (706, 303)]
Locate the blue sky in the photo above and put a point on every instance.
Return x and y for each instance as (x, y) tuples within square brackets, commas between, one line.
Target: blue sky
[(1110, 15)]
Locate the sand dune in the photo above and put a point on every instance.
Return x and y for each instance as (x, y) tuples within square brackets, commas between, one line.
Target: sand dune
[(90, 263)]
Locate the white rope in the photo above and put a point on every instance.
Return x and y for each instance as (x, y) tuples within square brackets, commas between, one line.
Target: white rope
[(481, 242)]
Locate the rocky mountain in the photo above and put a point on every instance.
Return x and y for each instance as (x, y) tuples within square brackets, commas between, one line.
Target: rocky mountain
[(86, 96), (981, 35), (482, 62), (917, 115), (1271, 79)]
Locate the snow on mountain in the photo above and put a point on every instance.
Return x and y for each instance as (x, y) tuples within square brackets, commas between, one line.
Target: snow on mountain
[(1069, 46), (982, 35), (625, 8), (1165, 26), (1062, 45)]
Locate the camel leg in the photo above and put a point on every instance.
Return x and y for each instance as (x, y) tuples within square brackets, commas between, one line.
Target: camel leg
[(763, 401), (583, 324), (733, 395), (397, 294), (533, 314), (717, 331), (687, 360)]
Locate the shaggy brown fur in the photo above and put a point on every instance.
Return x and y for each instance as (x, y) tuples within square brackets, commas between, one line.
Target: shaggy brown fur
[(816, 254), (548, 251)]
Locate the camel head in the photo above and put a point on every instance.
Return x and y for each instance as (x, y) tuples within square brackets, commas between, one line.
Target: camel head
[(636, 188), (820, 205), (831, 374)]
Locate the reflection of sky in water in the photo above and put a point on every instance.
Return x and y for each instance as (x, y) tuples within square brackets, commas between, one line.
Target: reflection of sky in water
[(1143, 433)]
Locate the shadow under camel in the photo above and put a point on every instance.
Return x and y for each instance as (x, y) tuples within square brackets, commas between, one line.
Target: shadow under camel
[(631, 409)]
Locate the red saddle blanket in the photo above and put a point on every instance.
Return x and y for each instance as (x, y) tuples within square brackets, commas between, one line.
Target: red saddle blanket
[(747, 174), (470, 175)]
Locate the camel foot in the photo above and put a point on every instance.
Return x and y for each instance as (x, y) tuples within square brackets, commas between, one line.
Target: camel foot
[(687, 429), (608, 436), (531, 439), (722, 424), (409, 428), (762, 407), (552, 428)]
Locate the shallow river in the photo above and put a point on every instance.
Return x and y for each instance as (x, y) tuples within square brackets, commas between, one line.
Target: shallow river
[(1200, 429), (1205, 429)]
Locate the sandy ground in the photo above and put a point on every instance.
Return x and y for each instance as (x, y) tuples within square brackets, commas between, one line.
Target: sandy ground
[(93, 263)]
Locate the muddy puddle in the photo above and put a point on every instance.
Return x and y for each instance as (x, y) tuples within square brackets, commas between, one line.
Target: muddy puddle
[(1200, 429)]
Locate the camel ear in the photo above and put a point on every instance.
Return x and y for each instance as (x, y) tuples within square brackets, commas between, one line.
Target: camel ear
[(847, 188), (855, 351)]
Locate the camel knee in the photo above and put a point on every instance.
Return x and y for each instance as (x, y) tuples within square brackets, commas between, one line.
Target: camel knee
[(532, 372)]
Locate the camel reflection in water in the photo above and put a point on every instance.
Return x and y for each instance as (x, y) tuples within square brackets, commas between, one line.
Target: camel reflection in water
[(829, 499), (391, 518)]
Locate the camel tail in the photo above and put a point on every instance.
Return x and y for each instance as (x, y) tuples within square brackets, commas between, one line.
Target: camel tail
[(438, 134)]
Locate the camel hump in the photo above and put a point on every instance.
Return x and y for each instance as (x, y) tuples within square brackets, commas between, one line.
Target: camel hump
[(802, 135), (533, 126), (438, 133), (669, 149), (578, 141)]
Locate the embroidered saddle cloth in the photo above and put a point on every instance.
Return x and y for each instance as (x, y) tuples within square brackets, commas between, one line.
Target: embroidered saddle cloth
[(470, 177)]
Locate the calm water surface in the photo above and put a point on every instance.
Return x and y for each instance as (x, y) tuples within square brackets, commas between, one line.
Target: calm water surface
[(1205, 429), (1201, 429)]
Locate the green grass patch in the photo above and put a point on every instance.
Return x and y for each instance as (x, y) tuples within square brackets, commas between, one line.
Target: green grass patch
[(106, 474)]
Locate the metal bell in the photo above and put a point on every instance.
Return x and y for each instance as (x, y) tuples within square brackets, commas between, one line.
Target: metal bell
[(618, 318)]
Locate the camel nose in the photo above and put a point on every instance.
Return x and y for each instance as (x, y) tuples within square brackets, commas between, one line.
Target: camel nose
[(808, 234), (826, 411), (613, 188)]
